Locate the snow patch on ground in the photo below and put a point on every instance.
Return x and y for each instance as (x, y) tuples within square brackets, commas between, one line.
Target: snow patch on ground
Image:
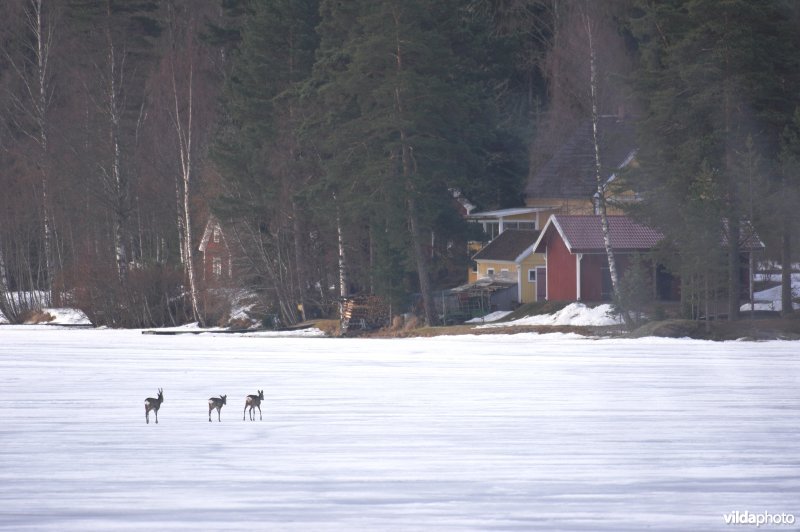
[(61, 316), (67, 316), (770, 299), (576, 314), (494, 316)]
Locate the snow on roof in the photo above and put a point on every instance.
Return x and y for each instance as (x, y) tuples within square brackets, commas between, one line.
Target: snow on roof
[(502, 213)]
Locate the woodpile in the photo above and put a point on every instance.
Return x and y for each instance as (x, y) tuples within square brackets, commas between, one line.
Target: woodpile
[(364, 313)]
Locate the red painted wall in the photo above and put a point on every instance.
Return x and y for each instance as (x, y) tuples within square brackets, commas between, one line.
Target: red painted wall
[(215, 250), (591, 277), (560, 269)]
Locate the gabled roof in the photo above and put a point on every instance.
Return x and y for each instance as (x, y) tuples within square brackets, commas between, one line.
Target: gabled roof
[(748, 238), (212, 223), (570, 173), (584, 234), (508, 246)]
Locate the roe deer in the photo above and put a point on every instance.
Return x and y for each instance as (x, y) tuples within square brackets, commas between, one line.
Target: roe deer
[(153, 404), (253, 401), (216, 403)]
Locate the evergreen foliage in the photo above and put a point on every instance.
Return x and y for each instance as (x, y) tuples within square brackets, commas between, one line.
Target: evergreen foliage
[(713, 87)]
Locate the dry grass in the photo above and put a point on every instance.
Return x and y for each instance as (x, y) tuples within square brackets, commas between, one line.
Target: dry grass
[(36, 317)]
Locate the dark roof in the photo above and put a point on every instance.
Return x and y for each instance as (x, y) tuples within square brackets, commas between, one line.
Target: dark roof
[(570, 173), (584, 234), (748, 238), (509, 245)]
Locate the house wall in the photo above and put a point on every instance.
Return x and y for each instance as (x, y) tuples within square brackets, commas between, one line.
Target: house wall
[(592, 276), (499, 266), (592, 267), (216, 250), (528, 288), (566, 206), (560, 269)]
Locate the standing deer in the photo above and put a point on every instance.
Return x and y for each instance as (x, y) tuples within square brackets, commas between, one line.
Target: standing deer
[(253, 401), (216, 403), (153, 404)]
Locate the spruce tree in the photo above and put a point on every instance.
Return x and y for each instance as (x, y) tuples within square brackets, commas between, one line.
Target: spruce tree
[(257, 150), (712, 75), (407, 117)]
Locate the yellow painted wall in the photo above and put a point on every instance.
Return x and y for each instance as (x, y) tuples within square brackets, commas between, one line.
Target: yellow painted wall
[(575, 206), (529, 263), (528, 288), (499, 266)]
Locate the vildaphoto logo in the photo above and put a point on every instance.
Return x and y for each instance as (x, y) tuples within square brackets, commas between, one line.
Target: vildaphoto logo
[(758, 519)]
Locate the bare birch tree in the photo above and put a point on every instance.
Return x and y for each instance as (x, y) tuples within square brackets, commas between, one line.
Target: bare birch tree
[(30, 116), (182, 121), (601, 188)]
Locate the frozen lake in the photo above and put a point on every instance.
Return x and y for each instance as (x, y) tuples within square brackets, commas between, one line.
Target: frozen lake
[(519, 432)]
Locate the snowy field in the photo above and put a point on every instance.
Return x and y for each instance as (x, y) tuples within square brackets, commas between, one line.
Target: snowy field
[(518, 432)]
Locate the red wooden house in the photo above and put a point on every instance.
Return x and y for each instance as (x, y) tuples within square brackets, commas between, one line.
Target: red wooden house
[(217, 259), (577, 264), (576, 261)]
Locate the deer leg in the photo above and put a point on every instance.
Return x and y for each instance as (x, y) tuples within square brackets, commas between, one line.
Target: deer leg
[(146, 415), (259, 414), (243, 412), (156, 416), (210, 408)]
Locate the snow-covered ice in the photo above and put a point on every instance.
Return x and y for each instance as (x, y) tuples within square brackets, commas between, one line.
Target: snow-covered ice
[(494, 432)]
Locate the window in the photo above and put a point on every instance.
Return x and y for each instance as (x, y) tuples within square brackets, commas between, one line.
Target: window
[(492, 229), (216, 266), (216, 234), (490, 271), (531, 276)]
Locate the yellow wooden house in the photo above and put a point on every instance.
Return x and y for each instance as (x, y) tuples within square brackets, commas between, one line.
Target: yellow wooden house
[(510, 257), (567, 183)]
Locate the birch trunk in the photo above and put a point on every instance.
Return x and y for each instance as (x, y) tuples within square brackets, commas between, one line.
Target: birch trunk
[(601, 190), (184, 133), (33, 105), (297, 230), (118, 182), (342, 259), (787, 308), (43, 43)]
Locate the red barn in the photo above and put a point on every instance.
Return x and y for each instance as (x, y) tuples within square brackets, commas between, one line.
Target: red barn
[(577, 264), (576, 261)]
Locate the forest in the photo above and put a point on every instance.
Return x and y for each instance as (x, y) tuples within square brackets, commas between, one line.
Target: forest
[(328, 136)]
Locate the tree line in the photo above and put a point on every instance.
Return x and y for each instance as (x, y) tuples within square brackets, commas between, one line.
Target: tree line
[(328, 137)]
